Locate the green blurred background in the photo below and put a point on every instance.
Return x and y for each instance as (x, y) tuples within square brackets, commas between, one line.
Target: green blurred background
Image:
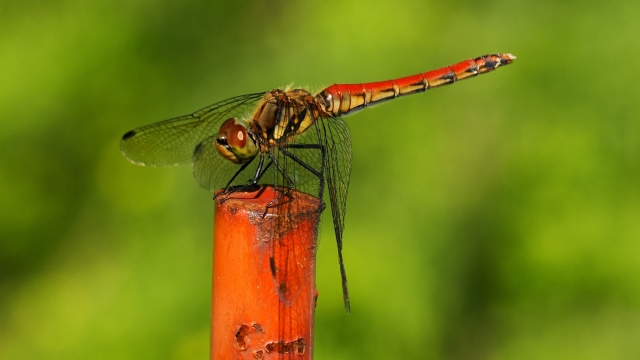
[(498, 218)]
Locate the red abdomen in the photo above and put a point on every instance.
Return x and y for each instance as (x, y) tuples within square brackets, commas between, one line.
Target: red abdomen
[(341, 99)]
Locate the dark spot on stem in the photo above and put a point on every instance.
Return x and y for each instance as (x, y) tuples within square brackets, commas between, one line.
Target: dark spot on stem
[(241, 336), (282, 347)]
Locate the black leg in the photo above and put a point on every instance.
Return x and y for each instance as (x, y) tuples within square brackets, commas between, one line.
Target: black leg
[(318, 173), (244, 166)]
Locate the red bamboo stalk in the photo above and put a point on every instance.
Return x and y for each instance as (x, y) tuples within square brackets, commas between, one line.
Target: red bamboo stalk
[(256, 315)]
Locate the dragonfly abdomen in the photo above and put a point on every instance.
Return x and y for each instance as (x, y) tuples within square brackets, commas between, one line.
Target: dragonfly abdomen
[(341, 99)]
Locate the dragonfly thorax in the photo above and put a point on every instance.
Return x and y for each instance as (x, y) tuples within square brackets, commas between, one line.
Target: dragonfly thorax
[(281, 115)]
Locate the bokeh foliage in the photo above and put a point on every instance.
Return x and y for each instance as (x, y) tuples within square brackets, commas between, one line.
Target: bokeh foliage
[(494, 219)]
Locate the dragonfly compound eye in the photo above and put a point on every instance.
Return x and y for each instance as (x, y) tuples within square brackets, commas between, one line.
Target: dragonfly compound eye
[(235, 143), (237, 136)]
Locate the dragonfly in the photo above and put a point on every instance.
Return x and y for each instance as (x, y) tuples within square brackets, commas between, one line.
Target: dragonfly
[(285, 137)]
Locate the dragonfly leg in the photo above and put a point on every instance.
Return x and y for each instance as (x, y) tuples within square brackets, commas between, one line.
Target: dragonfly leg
[(260, 172), (318, 173), (244, 166), (228, 189), (285, 193)]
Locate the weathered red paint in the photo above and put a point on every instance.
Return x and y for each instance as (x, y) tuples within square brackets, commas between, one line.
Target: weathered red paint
[(250, 319)]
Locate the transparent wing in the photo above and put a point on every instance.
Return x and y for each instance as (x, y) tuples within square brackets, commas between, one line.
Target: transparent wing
[(211, 170), (172, 142), (334, 161), (326, 147), (338, 169), (338, 172)]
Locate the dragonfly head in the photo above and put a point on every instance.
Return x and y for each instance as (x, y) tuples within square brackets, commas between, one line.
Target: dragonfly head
[(235, 143)]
